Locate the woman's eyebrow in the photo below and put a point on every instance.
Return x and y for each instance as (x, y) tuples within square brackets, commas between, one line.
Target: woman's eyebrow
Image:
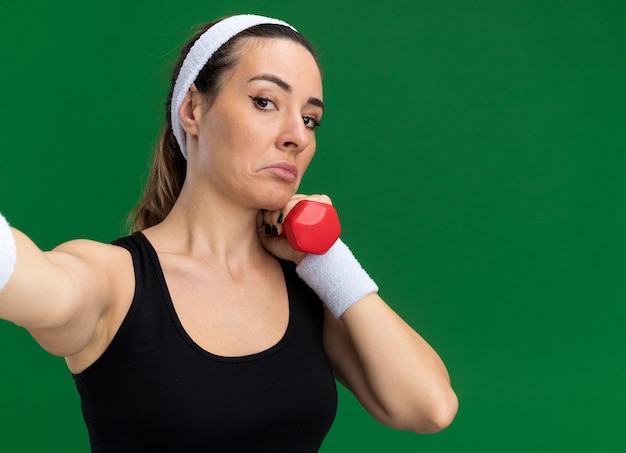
[(285, 86), (272, 78), (316, 102)]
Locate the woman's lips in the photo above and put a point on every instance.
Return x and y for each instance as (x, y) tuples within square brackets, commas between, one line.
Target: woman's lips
[(284, 170)]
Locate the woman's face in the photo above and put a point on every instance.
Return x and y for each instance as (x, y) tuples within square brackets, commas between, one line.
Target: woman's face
[(258, 137)]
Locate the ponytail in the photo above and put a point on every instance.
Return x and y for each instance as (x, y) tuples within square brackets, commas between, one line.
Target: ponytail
[(164, 184)]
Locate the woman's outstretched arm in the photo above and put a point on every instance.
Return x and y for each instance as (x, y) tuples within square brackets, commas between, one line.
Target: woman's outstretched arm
[(58, 296)]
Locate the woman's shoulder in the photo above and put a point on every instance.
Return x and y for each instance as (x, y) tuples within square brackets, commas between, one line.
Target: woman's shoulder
[(91, 250), (101, 260), (104, 275)]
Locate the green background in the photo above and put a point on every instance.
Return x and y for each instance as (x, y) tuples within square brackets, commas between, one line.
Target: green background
[(476, 152)]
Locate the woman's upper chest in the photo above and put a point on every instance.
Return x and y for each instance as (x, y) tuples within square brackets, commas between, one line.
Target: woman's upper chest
[(226, 313)]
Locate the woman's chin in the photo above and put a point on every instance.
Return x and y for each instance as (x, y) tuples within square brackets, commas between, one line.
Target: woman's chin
[(277, 200)]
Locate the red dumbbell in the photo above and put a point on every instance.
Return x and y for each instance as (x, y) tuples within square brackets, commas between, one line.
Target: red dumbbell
[(312, 227)]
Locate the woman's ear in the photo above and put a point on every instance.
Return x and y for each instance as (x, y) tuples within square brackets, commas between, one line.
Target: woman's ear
[(188, 112)]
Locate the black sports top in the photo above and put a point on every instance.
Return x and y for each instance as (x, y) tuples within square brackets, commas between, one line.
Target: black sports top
[(155, 390)]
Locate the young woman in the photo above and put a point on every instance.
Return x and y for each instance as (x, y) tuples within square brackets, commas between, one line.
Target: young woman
[(204, 330)]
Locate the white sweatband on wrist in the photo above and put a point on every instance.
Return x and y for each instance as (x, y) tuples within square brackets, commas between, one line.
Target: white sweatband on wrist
[(7, 252), (200, 53), (336, 277)]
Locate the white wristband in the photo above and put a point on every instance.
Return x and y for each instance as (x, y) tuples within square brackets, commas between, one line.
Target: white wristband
[(7, 252), (336, 277)]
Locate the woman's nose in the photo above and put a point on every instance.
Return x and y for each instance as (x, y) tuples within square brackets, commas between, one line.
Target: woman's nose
[(294, 135)]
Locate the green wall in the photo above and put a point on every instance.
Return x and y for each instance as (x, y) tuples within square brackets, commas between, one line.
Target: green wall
[(476, 152)]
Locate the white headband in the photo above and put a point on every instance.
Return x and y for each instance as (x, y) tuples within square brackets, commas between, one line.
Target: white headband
[(200, 53)]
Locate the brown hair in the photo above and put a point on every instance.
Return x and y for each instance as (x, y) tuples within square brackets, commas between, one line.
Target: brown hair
[(169, 167)]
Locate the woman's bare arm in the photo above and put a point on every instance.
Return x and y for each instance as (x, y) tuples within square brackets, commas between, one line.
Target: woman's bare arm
[(60, 297), (392, 370)]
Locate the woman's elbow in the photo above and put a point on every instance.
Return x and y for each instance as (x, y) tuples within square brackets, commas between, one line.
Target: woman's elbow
[(438, 416), (426, 417)]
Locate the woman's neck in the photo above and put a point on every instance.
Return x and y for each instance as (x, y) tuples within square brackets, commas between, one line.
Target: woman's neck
[(204, 225)]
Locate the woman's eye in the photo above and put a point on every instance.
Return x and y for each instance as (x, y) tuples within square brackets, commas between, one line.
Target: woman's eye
[(262, 103), (311, 122)]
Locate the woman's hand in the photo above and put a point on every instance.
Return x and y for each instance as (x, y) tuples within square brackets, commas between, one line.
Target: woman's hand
[(270, 228)]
